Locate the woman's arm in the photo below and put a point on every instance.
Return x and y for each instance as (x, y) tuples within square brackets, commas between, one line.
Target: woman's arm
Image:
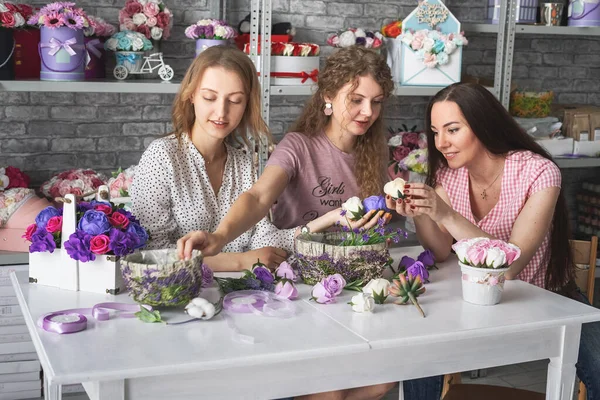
[(234, 262)]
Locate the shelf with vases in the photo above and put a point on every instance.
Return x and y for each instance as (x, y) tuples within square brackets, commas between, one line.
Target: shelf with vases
[(583, 162), (132, 86), (558, 30)]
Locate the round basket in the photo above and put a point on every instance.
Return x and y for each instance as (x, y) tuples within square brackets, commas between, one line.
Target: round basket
[(160, 279), (320, 255)]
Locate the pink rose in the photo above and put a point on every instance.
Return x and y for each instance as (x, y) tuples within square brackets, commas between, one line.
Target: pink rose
[(430, 60), (512, 252), (417, 43), (151, 9), (133, 7), (30, 231), (144, 30), (54, 224), (321, 295), (118, 184), (400, 153), (123, 15), (76, 191), (99, 244), (163, 20), (286, 289), (55, 191), (118, 220), (103, 208), (476, 255), (151, 21), (7, 20), (128, 24), (285, 271)]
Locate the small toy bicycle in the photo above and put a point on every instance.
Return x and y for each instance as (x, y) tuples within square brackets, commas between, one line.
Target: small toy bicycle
[(129, 62)]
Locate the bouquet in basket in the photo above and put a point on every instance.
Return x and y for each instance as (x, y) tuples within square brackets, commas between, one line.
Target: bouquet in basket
[(120, 182), (214, 29), (79, 182), (59, 14), (356, 36), (408, 150), (11, 15), (150, 18), (128, 41), (99, 28), (45, 233), (12, 177)]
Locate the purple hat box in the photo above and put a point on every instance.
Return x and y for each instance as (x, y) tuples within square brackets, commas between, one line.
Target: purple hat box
[(526, 11), (584, 13), (95, 68), (62, 53)]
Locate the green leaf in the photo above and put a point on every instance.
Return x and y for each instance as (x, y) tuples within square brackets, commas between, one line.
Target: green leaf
[(379, 297), (123, 193), (148, 316)]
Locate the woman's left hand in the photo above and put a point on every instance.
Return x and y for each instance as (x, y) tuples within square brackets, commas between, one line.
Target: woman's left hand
[(420, 199)]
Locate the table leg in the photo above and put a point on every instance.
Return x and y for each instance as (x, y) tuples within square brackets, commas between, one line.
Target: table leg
[(561, 370), (52, 391), (400, 391)]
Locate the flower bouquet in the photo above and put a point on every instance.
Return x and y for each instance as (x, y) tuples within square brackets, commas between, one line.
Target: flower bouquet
[(433, 47), (402, 143), (356, 36), (355, 254), (119, 184), (11, 15), (150, 18), (12, 177), (392, 30), (210, 32), (10, 18), (483, 262), (62, 47), (82, 183), (95, 36), (129, 49)]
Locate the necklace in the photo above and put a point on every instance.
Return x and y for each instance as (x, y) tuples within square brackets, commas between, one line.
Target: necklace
[(484, 194)]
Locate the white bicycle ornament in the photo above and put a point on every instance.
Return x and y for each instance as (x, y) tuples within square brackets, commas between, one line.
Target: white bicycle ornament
[(129, 62)]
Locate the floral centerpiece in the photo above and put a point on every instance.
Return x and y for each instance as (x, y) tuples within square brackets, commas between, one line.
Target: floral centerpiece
[(95, 36), (129, 47), (150, 18), (355, 254), (119, 184), (483, 262), (79, 182), (210, 32), (11, 15), (392, 30), (402, 143), (356, 36), (433, 47)]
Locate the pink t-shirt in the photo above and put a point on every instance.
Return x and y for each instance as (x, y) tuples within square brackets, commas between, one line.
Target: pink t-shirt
[(320, 178), (525, 173)]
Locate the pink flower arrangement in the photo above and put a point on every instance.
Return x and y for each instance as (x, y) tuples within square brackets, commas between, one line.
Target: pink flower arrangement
[(59, 14), (11, 15), (408, 150), (79, 182), (483, 252), (326, 291), (214, 29), (99, 28), (432, 46), (356, 36), (151, 18), (120, 182)]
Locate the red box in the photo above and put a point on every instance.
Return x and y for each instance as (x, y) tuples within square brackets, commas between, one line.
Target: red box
[(27, 58), (244, 38)]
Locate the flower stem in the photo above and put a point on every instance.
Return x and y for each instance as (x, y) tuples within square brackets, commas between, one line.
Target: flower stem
[(416, 303)]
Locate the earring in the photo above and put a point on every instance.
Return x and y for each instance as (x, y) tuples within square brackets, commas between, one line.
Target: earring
[(328, 109)]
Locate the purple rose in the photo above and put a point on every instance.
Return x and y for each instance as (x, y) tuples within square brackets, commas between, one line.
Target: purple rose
[(42, 218), (405, 262), (427, 258), (334, 284), (418, 269), (200, 30), (374, 203), (139, 232), (321, 295), (207, 276), (263, 274), (121, 243), (78, 247), (94, 223), (360, 41), (42, 241)]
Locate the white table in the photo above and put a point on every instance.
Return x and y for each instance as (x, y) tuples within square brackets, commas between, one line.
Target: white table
[(325, 347)]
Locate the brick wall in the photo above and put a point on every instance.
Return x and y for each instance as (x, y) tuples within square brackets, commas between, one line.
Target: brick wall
[(44, 133)]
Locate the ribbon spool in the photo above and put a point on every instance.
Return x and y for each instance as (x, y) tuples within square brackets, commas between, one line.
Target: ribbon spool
[(260, 303)]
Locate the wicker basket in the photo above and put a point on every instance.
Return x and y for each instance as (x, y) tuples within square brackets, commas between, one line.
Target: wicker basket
[(319, 255), (160, 279)]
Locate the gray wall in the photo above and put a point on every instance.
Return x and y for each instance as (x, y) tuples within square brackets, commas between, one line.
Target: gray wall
[(45, 133)]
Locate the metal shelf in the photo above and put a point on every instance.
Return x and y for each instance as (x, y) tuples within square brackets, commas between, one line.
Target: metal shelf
[(584, 162), (558, 30), (480, 28), (139, 86), (298, 90)]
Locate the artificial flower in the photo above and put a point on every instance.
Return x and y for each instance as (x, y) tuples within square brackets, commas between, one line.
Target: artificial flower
[(285, 271), (378, 288), (486, 253), (392, 30), (355, 207), (207, 276), (435, 46), (11, 15), (143, 16), (362, 302), (321, 295), (418, 269), (59, 14), (356, 36), (128, 41), (200, 308), (285, 288), (395, 188)]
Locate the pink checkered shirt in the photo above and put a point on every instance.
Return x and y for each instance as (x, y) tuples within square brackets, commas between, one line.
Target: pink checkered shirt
[(525, 173)]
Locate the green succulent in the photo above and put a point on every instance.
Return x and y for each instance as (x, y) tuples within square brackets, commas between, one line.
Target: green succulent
[(407, 288)]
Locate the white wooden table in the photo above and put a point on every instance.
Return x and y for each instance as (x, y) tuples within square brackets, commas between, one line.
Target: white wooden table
[(325, 347)]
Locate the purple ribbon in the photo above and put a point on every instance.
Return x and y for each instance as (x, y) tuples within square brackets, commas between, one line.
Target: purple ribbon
[(92, 46), (55, 45), (73, 320)]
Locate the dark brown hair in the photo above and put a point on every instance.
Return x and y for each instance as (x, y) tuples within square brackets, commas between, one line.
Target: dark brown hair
[(500, 134), (343, 66)]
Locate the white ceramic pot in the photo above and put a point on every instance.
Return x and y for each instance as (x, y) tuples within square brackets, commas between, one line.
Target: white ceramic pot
[(482, 286)]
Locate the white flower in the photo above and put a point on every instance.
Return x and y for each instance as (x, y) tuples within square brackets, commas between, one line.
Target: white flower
[(427, 44), (347, 39), (288, 49), (360, 33), (395, 141), (156, 33), (407, 38), (137, 44), (395, 188), (305, 50), (142, 2), (19, 20), (496, 258), (204, 22), (139, 19), (461, 248), (3, 8), (220, 31), (200, 308), (378, 288), (449, 47), (354, 206), (4, 181), (362, 302)]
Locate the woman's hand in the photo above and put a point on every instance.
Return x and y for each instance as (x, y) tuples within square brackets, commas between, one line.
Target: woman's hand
[(270, 256), (209, 243), (420, 199), (367, 221)]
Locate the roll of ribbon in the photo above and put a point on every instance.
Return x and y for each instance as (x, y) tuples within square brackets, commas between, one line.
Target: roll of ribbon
[(60, 322), (260, 303)]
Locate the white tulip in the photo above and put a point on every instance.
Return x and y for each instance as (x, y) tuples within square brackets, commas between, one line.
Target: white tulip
[(378, 288), (395, 188), (362, 302), (496, 258), (200, 308)]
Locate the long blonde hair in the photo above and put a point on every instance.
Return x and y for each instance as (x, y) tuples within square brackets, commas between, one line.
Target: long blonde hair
[(343, 66), (231, 59)]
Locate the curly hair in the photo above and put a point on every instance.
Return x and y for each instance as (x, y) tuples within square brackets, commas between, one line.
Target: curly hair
[(344, 66), (234, 60)]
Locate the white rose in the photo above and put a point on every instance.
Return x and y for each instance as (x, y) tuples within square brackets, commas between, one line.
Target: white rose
[(19, 20), (3, 8), (449, 47), (360, 33), (495, 258), (137, 44), (203, 22), (156, 33), (427, 44), (354, 206), (461, 248), (347, 39), (378, 288), (200, 308), (407, 38), (139, 19), (362, 302), (220, 31), (395, 188), (288, 49), (111, 44), (395, 141)]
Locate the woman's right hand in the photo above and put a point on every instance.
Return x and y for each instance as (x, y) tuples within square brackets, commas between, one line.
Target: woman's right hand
[(367, 221), (209, 243), (270, 256)]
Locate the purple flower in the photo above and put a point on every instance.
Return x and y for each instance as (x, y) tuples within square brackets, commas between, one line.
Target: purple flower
[(285, 271), (263, 274), (252, 283), (406, 262), (418, 269), (209, 31), (343, 213), (42, 241), (427, 258), (321, 295), (365, 237), (207, 276), (78, 246), (121, 243), (334, 284), (139, 232), (200, 30), (374, 203), (94, 223), (42, 218), (361, 41)]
